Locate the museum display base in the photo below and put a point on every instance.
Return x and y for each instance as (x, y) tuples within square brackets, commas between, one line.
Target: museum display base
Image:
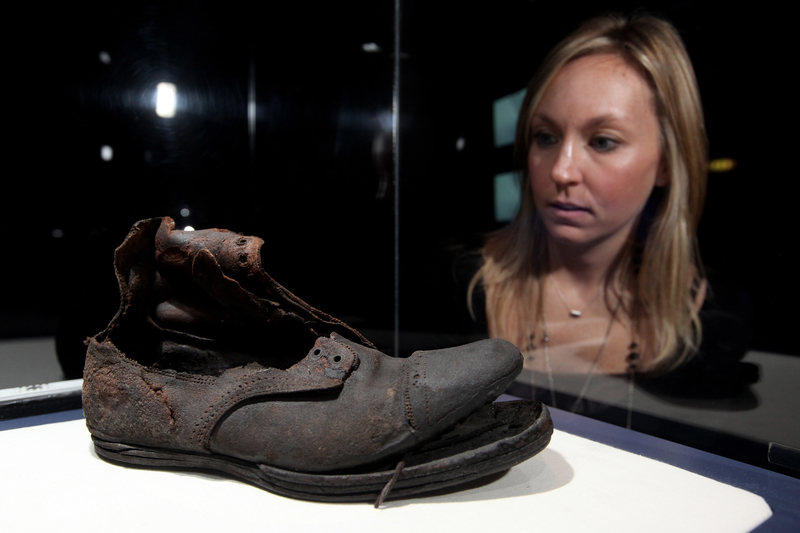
[(52, 477)]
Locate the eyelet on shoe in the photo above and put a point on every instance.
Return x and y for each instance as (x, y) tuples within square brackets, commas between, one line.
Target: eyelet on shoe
[(243, 258), (241, 242), (337, 358)]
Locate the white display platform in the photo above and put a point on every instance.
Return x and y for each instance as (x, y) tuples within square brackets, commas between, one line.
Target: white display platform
[(52, 480)]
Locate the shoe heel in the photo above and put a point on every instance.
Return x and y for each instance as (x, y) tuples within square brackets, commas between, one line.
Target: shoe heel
[(118, 452), (163, 459)]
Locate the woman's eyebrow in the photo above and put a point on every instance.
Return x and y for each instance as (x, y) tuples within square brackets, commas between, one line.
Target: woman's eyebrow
[(607, 118), (543, 118), (602, 120)]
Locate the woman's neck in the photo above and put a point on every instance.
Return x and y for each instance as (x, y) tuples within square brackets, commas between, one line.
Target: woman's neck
[(583, 268)]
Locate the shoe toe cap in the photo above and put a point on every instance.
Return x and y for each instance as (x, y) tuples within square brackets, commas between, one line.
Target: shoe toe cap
[(444, 386)]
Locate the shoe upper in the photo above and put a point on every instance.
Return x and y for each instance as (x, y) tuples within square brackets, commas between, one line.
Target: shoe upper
[(208, 354)]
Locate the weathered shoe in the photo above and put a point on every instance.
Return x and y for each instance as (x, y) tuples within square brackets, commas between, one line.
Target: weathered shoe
[(210, 363)]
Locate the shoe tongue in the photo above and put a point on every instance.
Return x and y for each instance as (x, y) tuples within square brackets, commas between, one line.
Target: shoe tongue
[(240, 282)]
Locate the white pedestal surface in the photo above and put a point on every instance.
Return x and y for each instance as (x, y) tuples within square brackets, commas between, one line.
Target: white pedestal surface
[(52, 480)]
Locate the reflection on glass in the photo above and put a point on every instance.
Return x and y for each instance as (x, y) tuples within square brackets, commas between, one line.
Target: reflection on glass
[(166, 96), (506, 196), (721, 165), (505, 111)]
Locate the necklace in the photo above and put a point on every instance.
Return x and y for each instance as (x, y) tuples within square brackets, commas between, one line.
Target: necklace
[(574, 313), (631, 360)]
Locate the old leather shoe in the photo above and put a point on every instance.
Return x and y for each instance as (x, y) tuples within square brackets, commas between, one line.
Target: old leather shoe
[(210, 363)]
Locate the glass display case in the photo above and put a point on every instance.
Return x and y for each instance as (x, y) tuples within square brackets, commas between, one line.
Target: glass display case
[(370, 144)]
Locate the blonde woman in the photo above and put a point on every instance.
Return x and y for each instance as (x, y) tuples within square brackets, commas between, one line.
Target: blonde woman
[(599, 272)]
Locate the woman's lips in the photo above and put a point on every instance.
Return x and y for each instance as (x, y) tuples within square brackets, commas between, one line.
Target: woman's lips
[(569, 208), (568, 213)]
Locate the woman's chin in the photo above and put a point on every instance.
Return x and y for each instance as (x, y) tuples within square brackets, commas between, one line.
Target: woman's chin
[(569, 236), (580, 237)]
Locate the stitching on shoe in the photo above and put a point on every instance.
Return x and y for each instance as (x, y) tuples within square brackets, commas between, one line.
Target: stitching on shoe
[(265, 382), (356, 360), (409, 409), (410, 382), (425, 389), (231, 397)]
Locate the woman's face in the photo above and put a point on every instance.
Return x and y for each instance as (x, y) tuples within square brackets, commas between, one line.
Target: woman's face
[(596, 152)]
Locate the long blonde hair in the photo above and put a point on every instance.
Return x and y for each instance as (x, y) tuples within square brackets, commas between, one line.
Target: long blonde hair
[(661, 266)]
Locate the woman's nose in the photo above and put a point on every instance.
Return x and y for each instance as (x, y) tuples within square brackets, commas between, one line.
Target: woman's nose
[(565, 171)]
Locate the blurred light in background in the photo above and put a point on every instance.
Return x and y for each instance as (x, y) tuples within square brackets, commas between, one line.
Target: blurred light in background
[(105, 57), (106, 153), (185, 212), (460, 143), (507, 196), (188, 228), (166, 96), (505, 111), (721, 165), (57, 233), (370, 48)]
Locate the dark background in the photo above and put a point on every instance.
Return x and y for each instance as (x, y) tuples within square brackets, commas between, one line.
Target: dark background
[(313, 174)]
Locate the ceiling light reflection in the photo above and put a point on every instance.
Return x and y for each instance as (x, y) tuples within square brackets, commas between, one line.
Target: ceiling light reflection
[(721, 165), (188, 228), (166, 97), (106, 153)]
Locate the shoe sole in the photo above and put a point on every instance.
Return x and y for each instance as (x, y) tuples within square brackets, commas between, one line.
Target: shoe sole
[(491, 440)]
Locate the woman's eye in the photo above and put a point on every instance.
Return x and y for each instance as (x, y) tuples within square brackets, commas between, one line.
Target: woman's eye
[(603, 144), (544, 139)]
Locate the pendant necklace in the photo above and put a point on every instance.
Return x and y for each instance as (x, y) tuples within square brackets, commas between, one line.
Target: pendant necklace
[(574, 313), (631, 360)]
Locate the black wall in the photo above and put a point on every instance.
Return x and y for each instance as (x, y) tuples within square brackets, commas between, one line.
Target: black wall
[(312, 175)]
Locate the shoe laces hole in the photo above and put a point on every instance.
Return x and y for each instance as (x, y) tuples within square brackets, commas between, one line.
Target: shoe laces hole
[(243, 258), (317, 351), (337, 358)]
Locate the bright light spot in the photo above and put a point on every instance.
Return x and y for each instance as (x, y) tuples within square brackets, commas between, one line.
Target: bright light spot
[(184, 212), (166, 95), (188, 228), (370, 48), (721, 165), (57, 233), (460, 142), (105, 57), (106, 153)]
